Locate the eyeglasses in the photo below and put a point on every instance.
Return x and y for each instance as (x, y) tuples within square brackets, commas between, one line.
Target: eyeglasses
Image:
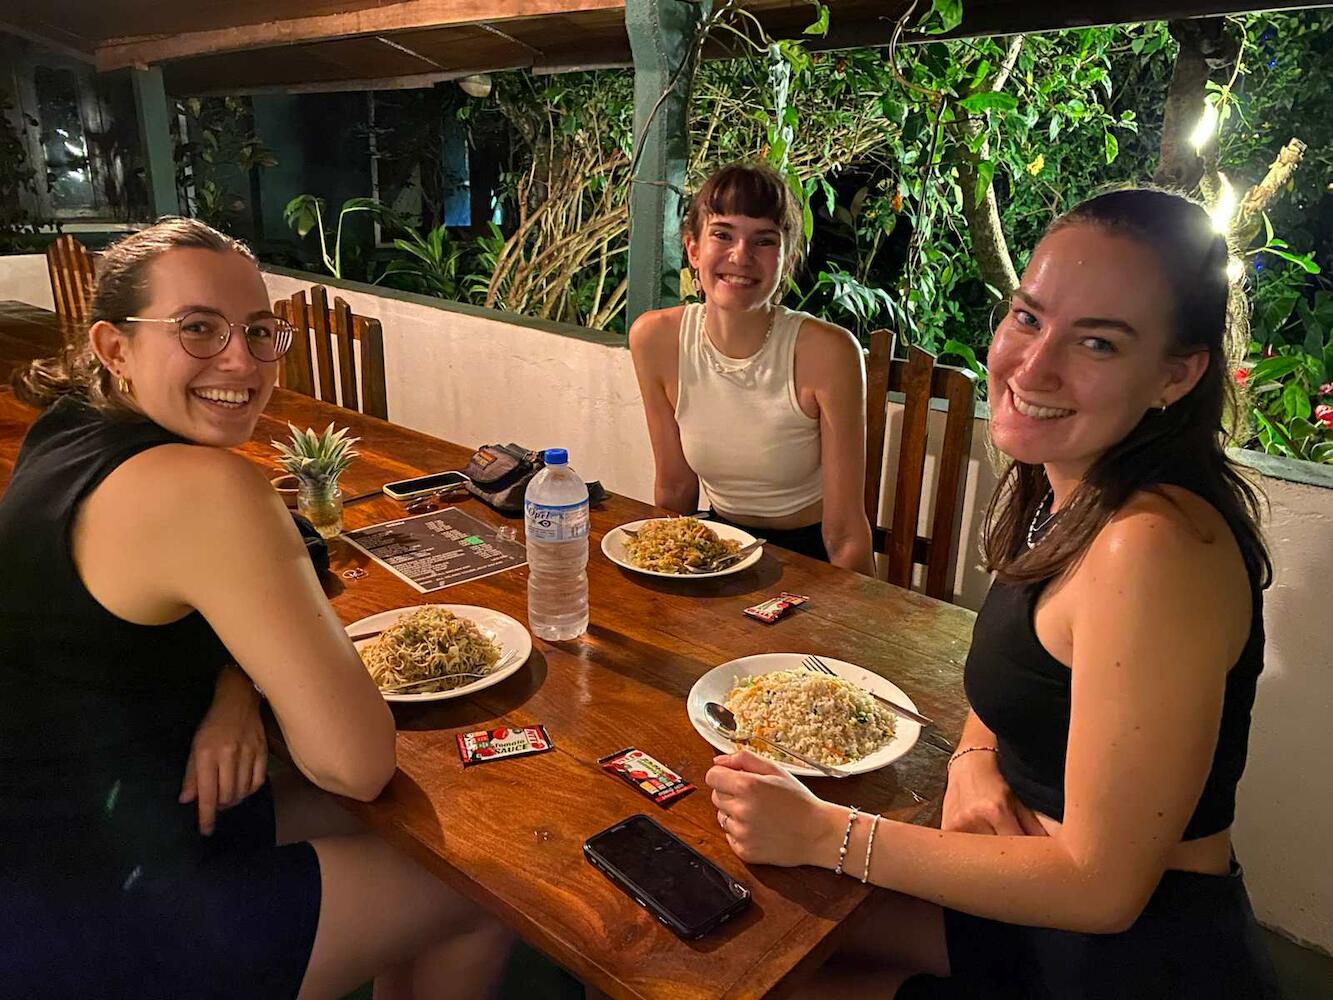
[(205, 334)]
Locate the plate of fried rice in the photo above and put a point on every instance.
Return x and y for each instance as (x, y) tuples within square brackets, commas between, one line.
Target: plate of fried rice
[(441, 640), (830, 719), (667, 546)]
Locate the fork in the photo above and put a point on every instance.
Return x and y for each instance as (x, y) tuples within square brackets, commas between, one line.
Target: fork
[(407, 686), (815, 665), (726, 560)]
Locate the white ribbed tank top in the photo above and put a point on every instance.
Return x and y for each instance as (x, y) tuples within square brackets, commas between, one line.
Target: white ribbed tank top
[(741, 427)]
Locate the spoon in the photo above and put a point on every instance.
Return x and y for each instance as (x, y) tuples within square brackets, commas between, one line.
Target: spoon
[(725, 723)]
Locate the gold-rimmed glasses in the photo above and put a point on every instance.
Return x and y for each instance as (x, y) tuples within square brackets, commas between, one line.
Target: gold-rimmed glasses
[(205, 334)]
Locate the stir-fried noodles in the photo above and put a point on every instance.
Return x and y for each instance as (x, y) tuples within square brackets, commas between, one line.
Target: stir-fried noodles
[(430, 642)]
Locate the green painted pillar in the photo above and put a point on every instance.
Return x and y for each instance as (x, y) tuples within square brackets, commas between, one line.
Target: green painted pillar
[(662, 36), (150, 98)]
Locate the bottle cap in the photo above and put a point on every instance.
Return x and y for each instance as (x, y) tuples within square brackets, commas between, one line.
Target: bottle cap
[(555, 456)]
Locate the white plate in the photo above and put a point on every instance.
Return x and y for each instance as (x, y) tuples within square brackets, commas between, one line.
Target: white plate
[(613, 547), (504, 631), (714, 686)]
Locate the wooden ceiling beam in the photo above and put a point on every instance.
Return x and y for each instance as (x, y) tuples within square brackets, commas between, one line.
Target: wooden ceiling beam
[(406, 15)]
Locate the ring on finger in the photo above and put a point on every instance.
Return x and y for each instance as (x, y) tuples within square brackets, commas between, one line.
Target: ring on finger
[(723, 820)]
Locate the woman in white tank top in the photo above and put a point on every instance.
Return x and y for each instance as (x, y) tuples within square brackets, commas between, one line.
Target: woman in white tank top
[(762, 407)]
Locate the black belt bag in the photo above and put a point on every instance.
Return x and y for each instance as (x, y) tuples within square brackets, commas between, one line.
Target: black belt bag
[(499, 474)]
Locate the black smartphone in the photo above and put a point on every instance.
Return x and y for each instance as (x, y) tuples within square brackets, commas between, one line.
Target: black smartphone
[(671, 880), (407, 489)]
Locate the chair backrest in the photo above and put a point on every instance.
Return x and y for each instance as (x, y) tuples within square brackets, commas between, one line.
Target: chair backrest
[(920, 380), (71, 268), (314, 320)]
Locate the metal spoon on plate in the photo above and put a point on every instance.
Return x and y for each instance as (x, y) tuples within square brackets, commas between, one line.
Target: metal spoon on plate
[(725, 723)]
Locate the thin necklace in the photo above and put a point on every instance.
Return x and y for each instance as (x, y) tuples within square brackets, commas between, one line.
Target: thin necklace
[(715, 354), (1035, 530)]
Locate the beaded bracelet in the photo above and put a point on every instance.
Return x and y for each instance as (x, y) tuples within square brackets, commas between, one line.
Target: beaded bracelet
[(846, 839), (964, 753), (870, 847)]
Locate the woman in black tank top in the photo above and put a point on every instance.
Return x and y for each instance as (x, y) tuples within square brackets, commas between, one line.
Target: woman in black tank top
[(1085, 849), (155, 574)]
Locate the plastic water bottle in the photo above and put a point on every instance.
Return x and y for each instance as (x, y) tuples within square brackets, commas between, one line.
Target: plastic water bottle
[(555, 515)]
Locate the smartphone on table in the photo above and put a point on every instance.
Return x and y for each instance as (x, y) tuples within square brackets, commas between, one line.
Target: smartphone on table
[(671, 880), (409, 489)]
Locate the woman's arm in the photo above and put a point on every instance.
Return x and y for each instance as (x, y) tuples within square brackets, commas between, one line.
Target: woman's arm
[(829, 361), (181, 527), (977, 799), (653, 346), (1161, 618)]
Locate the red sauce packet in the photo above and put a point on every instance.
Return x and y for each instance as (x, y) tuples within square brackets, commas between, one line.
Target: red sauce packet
[(487, 745), (775, 607), (647, 775)]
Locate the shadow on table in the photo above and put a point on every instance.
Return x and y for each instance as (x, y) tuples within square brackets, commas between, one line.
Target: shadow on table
[(491, 703)]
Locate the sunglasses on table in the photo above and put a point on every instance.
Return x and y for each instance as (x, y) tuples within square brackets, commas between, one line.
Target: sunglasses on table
[(205, 334)]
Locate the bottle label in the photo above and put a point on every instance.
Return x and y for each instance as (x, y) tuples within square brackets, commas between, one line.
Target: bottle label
[(556, 522)]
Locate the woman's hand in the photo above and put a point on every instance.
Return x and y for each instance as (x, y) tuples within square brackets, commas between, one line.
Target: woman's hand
[(768, 816), (979, 800), (229, 755)]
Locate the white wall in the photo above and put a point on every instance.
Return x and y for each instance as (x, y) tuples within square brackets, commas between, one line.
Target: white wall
[(1284, 823), (473, 377), (23, 278)]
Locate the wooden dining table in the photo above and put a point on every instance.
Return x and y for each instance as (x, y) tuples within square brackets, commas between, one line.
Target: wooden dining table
[(509, 835)]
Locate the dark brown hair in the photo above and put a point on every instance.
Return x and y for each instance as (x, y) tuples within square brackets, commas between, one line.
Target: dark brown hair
[(123, 275), (1184, 445), (755, 190)]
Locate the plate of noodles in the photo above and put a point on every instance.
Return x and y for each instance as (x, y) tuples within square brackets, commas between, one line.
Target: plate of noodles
[(665, 546), (428, 640), (830, 719)]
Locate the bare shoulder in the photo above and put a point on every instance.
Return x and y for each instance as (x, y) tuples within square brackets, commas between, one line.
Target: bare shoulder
[(1174, 539), (184, 485), (827, 339), (656, 332)]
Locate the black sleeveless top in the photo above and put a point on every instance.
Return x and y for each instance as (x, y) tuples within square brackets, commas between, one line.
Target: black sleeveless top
[(96, 713), (1022, 693)]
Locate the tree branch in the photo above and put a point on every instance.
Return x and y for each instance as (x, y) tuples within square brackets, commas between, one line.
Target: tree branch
[(1204, 45), (982, 210)]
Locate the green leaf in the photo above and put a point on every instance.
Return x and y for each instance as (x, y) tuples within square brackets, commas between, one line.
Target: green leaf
[(1296, 401), (1112, 148), (820, 27), (950, 13), (1306, 261), (988, 100), (985, 174), (1271, 369)]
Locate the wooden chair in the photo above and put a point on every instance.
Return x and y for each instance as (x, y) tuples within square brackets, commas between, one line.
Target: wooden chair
[(920, 380), (329, 327), (72, 276)]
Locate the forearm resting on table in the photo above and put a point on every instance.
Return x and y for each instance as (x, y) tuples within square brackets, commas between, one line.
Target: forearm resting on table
[(1034, 881)]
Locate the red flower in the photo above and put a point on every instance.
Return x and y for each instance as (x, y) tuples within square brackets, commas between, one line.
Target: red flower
[(1242, 375), (1326, 389), (1324, 414)]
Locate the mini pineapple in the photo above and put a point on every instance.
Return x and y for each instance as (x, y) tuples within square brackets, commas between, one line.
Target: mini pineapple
[(316, 459)]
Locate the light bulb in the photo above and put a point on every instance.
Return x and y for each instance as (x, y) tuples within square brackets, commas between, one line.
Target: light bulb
[(1205, 129), (476, 85), (1224, 208)]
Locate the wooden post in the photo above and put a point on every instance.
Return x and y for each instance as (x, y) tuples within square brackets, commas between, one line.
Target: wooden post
[(150, 98), (662, 35)]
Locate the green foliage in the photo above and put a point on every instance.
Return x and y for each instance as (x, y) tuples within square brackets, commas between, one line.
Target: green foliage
[(306, 212), (17, 176), (217, 155)]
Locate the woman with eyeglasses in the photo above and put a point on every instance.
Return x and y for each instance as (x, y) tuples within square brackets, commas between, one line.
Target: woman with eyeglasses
[(154, 578), (1086, 843)]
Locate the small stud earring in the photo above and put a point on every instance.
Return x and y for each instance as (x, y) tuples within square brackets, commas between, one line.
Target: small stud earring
[(1161, 408)]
